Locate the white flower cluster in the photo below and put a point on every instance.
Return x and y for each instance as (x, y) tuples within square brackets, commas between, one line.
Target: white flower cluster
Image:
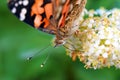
[(97, 41)]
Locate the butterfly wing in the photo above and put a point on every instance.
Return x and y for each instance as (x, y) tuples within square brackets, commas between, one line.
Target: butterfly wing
[(37, 13), (45, 15)]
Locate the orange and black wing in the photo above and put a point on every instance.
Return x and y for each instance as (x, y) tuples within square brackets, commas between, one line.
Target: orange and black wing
[(45, 15), (37, 13)]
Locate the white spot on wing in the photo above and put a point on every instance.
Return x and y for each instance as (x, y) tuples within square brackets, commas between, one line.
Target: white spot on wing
[(24, 11), (14, 10), (22, 17), (16, 4), (22, 14), (25, 2), (20, 2)]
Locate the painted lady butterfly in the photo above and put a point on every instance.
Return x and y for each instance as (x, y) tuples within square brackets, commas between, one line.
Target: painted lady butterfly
[(51, 16)]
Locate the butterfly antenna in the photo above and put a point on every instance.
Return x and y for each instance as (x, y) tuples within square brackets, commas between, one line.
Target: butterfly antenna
[(38, 53), (42, 65)]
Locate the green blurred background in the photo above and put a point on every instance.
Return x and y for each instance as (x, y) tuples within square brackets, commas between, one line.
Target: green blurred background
[(19, 41)]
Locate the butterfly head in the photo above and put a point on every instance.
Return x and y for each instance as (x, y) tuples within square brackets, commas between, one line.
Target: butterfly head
[(59, 42)]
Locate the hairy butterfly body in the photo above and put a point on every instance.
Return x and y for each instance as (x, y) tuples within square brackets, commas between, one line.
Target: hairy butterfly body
[(51, 16)]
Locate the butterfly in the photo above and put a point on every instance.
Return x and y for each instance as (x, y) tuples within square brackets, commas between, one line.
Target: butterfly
[(51, 16)]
